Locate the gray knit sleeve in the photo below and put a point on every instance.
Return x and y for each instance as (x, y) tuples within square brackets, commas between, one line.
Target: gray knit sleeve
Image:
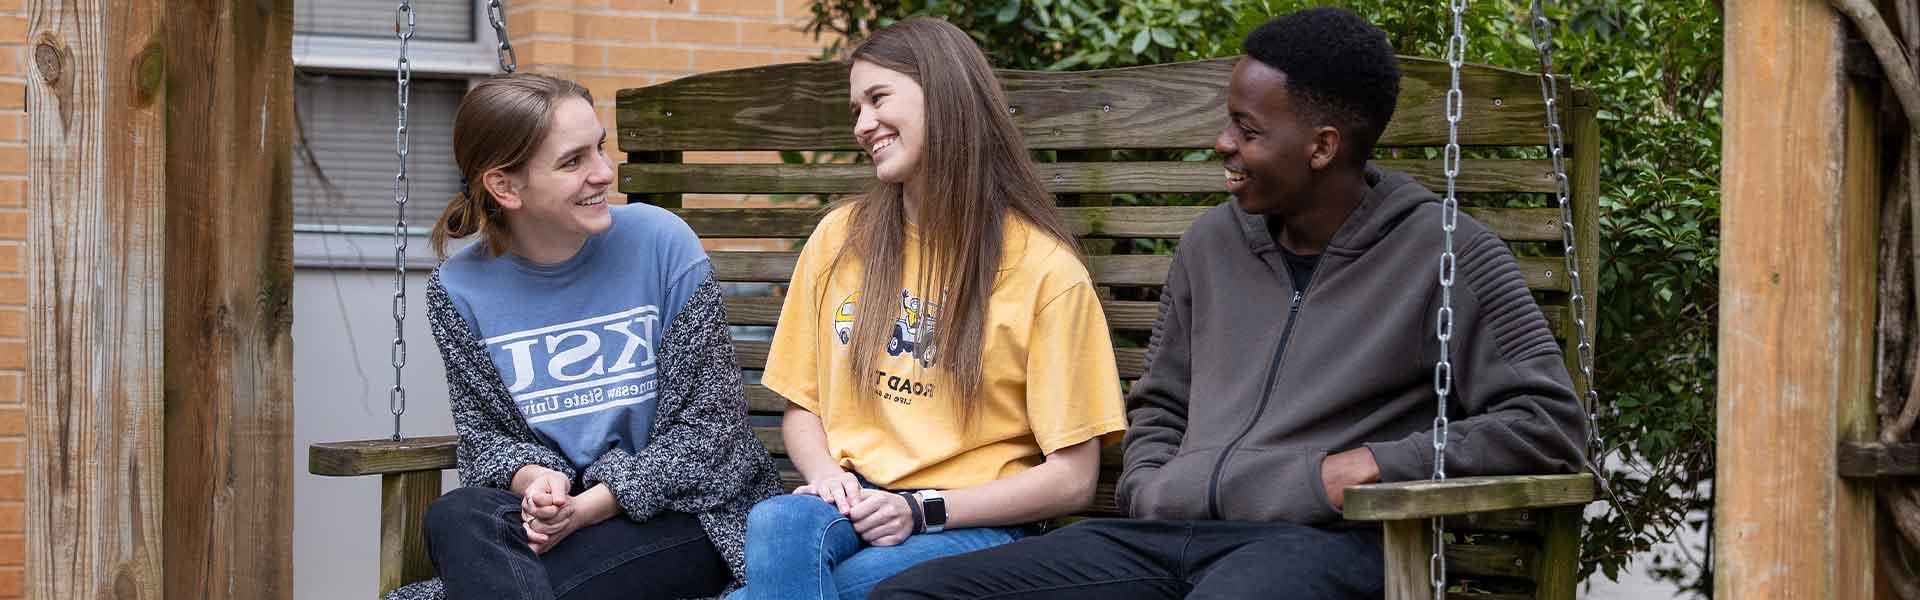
[(494, 441), (703, 453)]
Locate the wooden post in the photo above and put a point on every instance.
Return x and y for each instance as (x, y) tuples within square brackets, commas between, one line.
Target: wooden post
[(404, 498), (1408, 544), (159, 388), (97, 237), (229, 312), (1796, 301)]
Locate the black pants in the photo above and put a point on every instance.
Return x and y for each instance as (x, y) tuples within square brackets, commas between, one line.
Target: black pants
[(1126, 558), (479, 549)]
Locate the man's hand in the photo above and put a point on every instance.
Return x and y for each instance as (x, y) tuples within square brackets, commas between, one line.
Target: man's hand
[(1350, 468), (882, 518)]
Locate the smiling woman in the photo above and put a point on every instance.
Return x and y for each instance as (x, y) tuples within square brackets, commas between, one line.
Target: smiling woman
[(604, 447), (955, 301)]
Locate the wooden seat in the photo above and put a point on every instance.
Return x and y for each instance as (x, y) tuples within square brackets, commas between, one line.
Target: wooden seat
[(1512, 537)]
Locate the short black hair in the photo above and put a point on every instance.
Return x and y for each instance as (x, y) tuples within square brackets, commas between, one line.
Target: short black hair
[(1340, 70)]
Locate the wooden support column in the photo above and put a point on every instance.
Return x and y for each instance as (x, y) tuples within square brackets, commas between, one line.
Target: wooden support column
[(229, 312), (96, 242), (1796, 302), (159, 386)]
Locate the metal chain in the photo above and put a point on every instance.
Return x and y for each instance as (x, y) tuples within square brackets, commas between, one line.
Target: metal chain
[(498, 17), (1443, 328), (403, 73), (1583, 349)]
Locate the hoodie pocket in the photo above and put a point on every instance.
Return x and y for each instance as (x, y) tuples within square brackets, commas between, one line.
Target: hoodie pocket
[(1174, 491), (1268, 484)]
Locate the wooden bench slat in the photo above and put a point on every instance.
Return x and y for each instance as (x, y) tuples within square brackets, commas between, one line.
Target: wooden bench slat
[(1543, 273), (803, 106), (1424, 499), (1476, 176), (1509, 560), (1876, 460), (1511, 224)]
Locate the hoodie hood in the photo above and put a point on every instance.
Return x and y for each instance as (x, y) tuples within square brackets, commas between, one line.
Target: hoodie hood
[(1391, 198)]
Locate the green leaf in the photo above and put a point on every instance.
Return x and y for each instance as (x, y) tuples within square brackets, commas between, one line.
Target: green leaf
[(1009, 12), (1140, 41), (1165, 38)]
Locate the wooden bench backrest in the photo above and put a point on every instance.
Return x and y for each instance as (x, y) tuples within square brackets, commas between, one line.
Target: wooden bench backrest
[(1085, 116)]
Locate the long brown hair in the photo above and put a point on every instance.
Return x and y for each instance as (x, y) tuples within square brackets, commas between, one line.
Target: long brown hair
[(974, 171), (501, 122)]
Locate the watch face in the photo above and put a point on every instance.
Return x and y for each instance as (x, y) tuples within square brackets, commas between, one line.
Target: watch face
[(936, 511)]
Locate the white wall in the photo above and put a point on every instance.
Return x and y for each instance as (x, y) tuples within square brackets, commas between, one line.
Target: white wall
[(342, 327)]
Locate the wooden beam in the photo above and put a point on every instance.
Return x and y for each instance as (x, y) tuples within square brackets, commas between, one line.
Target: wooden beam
[(97, 238), (1408, 544), (1877, 461), (1796, 298), (382, 456), (229, 311), (1422, 498), (404, 498)]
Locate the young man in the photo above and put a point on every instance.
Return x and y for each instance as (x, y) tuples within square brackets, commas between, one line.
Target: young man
[(1294, 357)]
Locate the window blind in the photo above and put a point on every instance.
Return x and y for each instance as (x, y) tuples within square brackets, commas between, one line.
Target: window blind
[(436, 20), (348, 126)]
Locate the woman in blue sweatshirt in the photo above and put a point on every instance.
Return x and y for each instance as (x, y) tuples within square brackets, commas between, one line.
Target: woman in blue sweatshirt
[(604, 445)]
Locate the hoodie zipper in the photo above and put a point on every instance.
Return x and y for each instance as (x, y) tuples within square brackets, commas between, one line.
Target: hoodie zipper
[(1273, 370)]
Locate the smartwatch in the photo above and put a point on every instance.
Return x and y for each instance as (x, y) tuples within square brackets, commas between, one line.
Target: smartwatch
[(935, 508)]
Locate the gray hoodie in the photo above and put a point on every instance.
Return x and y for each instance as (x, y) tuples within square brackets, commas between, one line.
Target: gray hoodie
[(1251, 382)]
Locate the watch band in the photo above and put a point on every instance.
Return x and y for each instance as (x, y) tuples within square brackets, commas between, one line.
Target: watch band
[(934, 508), (919, 514)]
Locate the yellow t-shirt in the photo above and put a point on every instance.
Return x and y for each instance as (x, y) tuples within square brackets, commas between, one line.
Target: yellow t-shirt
[(1048, 382)]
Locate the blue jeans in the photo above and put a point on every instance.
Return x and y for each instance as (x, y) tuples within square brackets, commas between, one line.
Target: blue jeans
[(800, 548)]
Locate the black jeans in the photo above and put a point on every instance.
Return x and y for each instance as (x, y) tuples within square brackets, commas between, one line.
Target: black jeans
[(479, 548), (1127, 558)]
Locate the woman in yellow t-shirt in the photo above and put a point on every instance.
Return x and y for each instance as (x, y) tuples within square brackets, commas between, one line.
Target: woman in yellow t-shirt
[(947, 366)]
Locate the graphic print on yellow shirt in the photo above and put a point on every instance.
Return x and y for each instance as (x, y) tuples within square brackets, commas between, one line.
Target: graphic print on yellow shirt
[(1048, 381)]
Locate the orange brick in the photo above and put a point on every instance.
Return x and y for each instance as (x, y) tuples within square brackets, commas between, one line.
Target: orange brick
[(557, 21), (13, 290), (13, 322), (13, 29), (612, 28), (718, 60), (606, 87), (11, 5), (12, 257), (778, 35), (13, 159), (13, 421), (684, 31), (11, 384), (791, 10), (545, 52), (10, 60), (14, 126), (13, 486), (13, 550), (13, 224), (13, 96), (13, 455), (13, 355), (12, 581), (743, 8), (13, 517), (651, 5), (649, 59)]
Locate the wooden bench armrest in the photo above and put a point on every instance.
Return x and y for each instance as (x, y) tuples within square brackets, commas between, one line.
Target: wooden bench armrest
[(382, 456), (1423, 499)]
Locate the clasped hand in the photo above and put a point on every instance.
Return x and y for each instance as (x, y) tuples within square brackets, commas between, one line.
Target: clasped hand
[(881, 518), (547, 511)]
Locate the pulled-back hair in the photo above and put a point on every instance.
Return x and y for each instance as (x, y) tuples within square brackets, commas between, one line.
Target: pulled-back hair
[(501, 122), (1340, 71), (974, 175)]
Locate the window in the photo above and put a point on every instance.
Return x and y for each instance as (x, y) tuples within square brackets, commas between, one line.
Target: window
[(345, 102)]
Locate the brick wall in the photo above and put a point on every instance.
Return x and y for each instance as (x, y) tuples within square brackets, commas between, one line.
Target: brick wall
[(613, 44), (13, 294)]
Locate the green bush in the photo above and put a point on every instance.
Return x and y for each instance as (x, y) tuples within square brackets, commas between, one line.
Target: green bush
[(1653, 66)]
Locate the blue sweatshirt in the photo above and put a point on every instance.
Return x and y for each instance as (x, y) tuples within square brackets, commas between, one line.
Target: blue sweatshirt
[(575, 341)]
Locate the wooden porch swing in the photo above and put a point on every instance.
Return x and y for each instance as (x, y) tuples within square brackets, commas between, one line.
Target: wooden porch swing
[(1504, 537)]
